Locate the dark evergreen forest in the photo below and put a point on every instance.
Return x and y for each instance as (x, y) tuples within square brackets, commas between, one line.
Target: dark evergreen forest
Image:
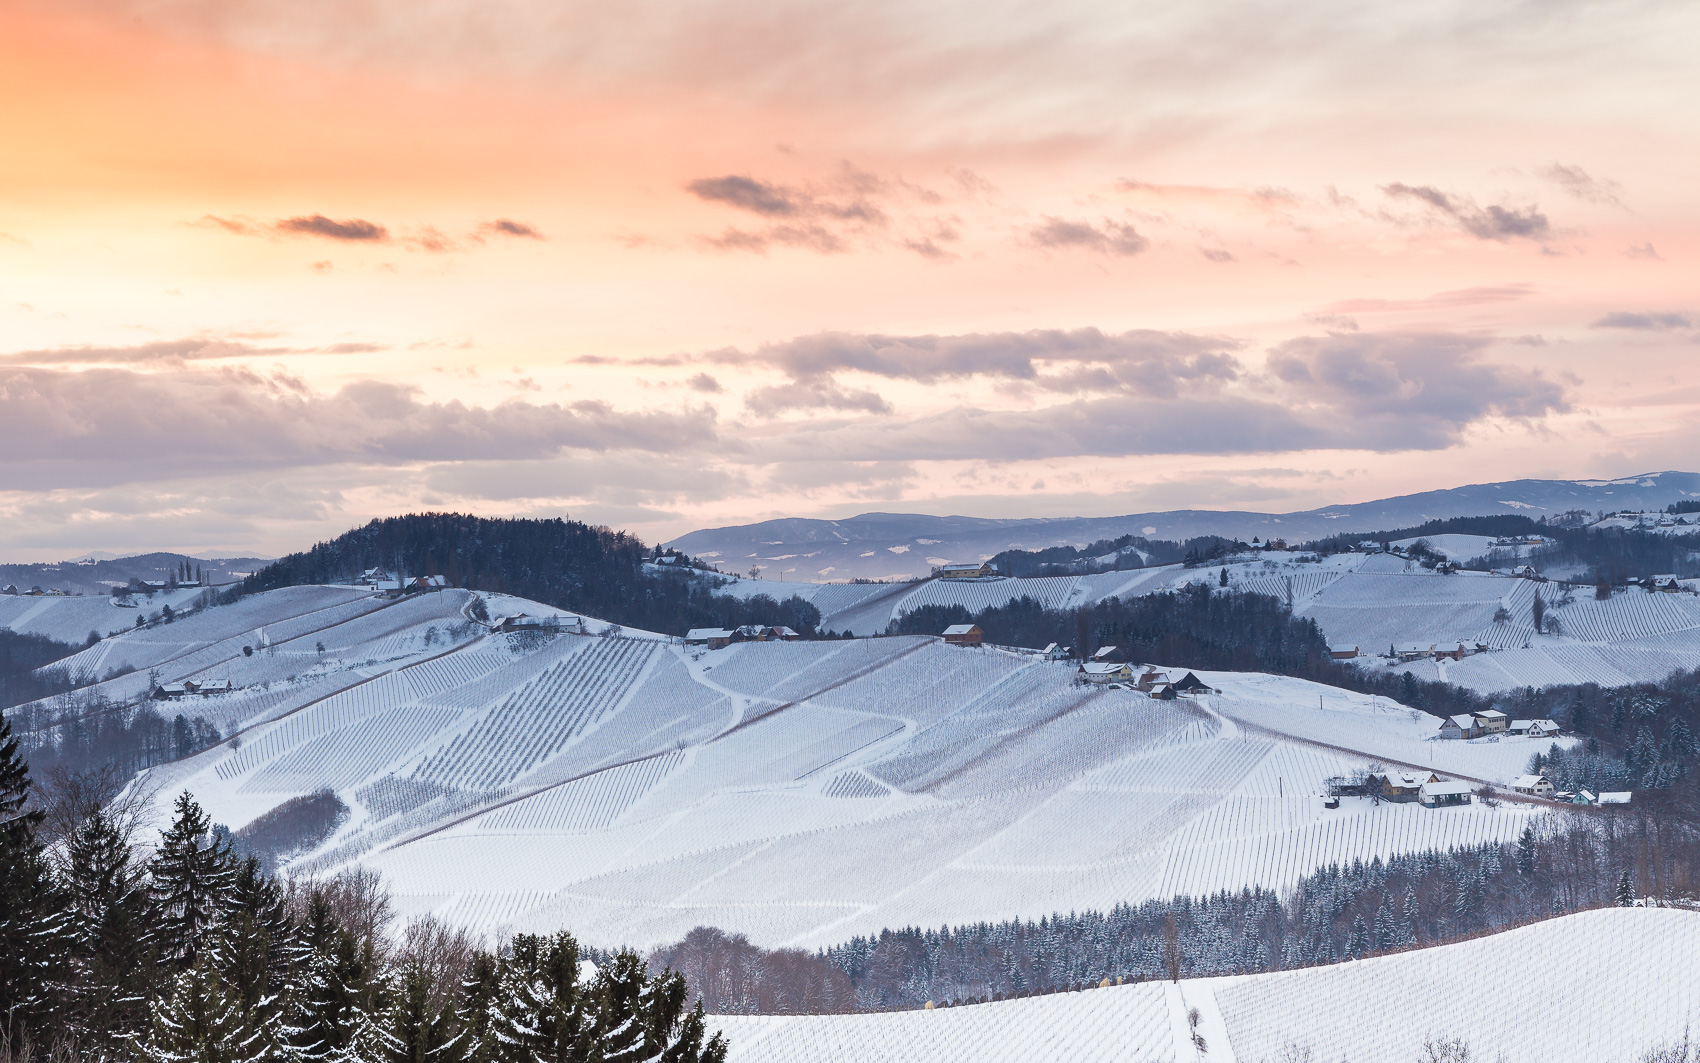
[(557, 562), (196, 954)]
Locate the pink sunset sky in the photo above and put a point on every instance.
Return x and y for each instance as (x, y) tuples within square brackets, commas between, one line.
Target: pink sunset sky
[(272, 269)]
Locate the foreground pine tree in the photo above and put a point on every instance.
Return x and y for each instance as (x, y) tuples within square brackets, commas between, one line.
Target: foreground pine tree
[(203, 1020), (33, 936), (191, 872), (110, 970)]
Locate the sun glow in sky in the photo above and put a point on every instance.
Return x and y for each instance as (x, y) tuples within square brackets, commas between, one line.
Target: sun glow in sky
[(269, 270)]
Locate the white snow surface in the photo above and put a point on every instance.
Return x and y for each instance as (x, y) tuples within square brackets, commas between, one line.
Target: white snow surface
[(1373, 601), (801, 793), (1595, 987)]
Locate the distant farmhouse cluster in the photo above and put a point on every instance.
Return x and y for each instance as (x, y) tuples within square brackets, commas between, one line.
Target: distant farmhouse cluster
[(397, 585), (1431, 791), (716, 638), (1492, 722)]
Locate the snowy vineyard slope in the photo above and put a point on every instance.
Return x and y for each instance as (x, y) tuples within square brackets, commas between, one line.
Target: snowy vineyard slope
[(804, 792), (1373, 601), (1596, 987)]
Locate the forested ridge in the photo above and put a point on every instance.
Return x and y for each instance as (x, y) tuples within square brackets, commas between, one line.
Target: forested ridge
[(559, 562)]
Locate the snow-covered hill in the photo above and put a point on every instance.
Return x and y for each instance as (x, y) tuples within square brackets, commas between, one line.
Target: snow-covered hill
[(1373, 601), (1596, 987), (803, 792)]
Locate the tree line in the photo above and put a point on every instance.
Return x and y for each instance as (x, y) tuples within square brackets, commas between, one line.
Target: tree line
[(1339, 912), (197, 954)]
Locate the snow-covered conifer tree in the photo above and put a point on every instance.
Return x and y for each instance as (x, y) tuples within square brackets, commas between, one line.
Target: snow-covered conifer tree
[(191, 873)]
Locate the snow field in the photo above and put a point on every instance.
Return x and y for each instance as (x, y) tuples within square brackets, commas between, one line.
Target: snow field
[(928, 684), (348, 756), (854, 784), (1596, 987), (1053, 592), (1619, 981), (1124, 1023)]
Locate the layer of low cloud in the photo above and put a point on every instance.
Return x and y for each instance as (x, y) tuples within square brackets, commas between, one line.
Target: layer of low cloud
[(355, 230), (1142, 361), (109, 425), (1654, 321), (173, 352)]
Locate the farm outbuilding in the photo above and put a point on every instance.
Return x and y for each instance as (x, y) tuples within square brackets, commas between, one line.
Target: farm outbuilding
[(964, 635), (1437, 794)]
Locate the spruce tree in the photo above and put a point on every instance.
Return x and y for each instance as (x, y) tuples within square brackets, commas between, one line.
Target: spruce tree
[(1526, 852), (203, 1020), (109, 916), (191, 876), (418, 1033), (32, 923), (1625, 892)]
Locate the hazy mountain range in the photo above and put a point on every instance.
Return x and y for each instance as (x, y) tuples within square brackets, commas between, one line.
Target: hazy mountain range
[(95, 574), (894, 545)]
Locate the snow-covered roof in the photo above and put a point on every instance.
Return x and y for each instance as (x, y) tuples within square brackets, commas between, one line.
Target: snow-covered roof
[(1464, 722), (703, 634), (1445, 789), (1527, 782), (960, 629), (1491, 714), (1101, 667), (1615, 797)]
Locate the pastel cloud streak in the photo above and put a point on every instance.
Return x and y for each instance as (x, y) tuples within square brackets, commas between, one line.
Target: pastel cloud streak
[(677, 265)]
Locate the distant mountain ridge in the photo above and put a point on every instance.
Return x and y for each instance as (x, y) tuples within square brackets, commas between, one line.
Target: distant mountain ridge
[(899, 545), (94, 574)]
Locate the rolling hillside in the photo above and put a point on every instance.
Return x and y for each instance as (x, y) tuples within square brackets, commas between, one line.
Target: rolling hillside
[(1597, 987), (801, 792), (1373, 601)]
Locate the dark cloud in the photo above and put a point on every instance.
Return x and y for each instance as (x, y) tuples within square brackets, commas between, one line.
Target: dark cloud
[(824, 216), (1579, 183), (1634, 320), (1112, 237), (745, 193), (704, 382), (354, 229), (1216, 254), (104, 425), (509, 227), (1493, 222)]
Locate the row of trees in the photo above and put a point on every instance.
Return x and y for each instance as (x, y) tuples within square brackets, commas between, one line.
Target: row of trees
[(1340, 912), (197, 955), (558, 562)]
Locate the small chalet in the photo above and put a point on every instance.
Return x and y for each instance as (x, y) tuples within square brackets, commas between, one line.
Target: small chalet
[(1534, 728), (171, 691), (1164, 692), (783, 633), (1343, 651), (964, 635), (1106, 672), (715, 638), (1401, 785), (1463, 726), (1107, 654), (1451, 650), (1666, 581), (550, 624), (427, 583), (1492, 721), (1533, 785), (11, 588), (1439, 794), (1584, 797), (1054, 652), (1413, 651), (965, 570), (1190, 684), (1152, 679), (749, 633)]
